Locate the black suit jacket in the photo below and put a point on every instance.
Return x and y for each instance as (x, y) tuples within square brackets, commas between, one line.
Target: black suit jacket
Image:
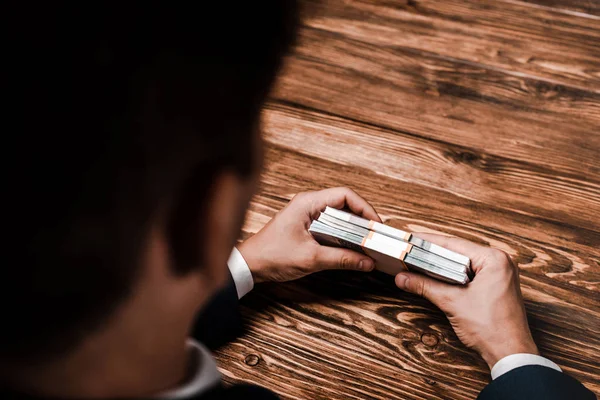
[(535, 382), (218, 325)]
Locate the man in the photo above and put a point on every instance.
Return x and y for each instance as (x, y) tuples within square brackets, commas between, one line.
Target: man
[(133, 151)]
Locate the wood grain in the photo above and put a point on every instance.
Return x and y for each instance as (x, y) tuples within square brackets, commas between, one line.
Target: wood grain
[(472, 174), (504, 35), (420, 99), (591, 7), (473, 118)]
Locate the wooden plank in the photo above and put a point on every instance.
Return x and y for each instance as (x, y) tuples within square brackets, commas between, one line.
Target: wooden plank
[(475, 175), (367, 339), (428, 73), (511, 117), (510, 36), (591, 7)]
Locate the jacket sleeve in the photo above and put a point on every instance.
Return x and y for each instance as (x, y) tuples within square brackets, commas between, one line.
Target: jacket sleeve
[(534, 382), (220, 321)]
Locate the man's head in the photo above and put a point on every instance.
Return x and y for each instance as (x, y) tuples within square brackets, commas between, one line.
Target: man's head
[(128, 130)]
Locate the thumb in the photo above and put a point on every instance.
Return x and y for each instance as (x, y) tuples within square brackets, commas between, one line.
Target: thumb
[(337, 258), (433, 290)]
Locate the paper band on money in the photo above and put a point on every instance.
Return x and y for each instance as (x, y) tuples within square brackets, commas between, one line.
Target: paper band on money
[(397, 234), (385, 245)]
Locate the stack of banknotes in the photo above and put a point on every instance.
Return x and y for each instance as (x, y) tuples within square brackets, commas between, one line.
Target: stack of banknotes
[(392, 249)]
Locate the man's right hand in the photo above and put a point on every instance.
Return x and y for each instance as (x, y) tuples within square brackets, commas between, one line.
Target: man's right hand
[(487, 314)]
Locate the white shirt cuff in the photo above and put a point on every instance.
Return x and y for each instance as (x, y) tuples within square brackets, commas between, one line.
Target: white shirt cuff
[(513, 361), (240, 272)]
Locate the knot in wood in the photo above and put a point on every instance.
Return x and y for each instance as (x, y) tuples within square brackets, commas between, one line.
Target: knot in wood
[(252, 360), (429, 339)]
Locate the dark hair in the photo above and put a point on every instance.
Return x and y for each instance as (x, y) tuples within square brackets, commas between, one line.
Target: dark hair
[(114, 111)]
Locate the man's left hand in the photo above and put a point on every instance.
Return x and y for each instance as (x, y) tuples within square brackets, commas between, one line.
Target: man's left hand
[(284, 250)]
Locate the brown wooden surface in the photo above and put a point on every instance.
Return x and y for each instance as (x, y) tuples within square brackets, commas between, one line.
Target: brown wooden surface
[(475, 118)]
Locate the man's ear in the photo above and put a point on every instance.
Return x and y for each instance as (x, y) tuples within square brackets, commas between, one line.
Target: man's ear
[(205, 220), (225, 209)]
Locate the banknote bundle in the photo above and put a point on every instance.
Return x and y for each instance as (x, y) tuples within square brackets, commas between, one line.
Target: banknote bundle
[(392, 249)]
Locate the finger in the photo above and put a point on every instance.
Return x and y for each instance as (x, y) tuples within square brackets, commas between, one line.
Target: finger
[(433, 290), (336, 258), (339, 198)]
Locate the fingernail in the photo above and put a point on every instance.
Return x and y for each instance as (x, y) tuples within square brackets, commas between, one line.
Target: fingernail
[(366, 265), (401, 281)]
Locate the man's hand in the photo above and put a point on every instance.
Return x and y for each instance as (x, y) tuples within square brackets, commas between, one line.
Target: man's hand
[(284, 249), (487, 314)]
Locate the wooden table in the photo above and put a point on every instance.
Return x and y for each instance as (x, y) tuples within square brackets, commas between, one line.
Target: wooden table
[(479, 119)]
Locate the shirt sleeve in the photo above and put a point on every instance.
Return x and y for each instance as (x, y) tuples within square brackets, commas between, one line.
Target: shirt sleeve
[(513, 361), (240, 272)]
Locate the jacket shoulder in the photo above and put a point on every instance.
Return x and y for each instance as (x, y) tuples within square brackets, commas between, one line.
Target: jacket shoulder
[(533, 382)]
